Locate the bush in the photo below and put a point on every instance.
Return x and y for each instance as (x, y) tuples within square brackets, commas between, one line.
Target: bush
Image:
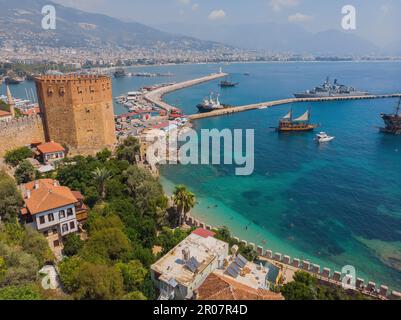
[(16, 156), (25, 172), (72, 245), (10, 198), (25, 292)]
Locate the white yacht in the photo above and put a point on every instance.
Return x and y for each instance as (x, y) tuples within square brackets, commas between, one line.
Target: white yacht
[(323, 137)]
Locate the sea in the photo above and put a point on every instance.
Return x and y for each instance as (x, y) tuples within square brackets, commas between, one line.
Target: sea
[(335, 205)]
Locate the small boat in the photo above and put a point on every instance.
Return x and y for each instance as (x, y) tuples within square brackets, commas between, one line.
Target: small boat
[(14, 80), (288, 124), (323, 137), (228, 84)]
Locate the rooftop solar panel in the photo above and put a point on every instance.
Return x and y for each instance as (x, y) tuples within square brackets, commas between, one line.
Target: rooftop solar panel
[(241, 261), (192, 264), (232, 272)]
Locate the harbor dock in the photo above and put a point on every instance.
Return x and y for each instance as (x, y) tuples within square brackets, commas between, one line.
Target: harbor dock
[(269, 104), (156, 96)]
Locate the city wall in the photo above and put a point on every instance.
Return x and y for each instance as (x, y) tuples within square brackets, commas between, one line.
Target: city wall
[(324, 275), (20, 132)]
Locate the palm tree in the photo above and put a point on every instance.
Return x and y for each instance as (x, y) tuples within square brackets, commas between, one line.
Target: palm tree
[(184, 200), (101, 175)]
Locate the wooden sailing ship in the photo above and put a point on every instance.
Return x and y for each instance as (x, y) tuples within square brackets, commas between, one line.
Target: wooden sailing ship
[(289, 124), (392, 121)]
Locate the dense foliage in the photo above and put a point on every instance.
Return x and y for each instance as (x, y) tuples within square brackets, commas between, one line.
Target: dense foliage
[(22, 253), (16, 156), (25, 172), (10, 198), (307, 287), (128, 206)]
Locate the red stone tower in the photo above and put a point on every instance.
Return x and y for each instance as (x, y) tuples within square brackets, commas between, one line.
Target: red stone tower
[(78, 111)]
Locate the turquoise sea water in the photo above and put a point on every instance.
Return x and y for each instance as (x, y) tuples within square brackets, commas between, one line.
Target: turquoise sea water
[(338, 204)]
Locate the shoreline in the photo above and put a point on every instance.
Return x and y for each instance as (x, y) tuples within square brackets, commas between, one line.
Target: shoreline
[(291, 261)]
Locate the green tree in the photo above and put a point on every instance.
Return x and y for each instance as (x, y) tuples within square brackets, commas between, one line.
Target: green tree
[(72, 245), (133, 274), (99, 282), (10, 198), (184, 200), (69, 269), (24, 292), (146, 192), (21, 267), (101, 175), (25, 172), (107, 245), (36, 244), (129, 149), (104, 155), (135, 296), (16, 156), (3, 269)]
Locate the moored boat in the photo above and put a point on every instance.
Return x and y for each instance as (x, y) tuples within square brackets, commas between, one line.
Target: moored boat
[(392, 121), (288, 124)]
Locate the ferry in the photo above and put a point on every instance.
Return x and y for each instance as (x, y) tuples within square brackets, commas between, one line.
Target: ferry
[(288, 124)]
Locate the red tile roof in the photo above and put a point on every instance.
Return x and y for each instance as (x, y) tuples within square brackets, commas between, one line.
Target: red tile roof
[(49, 195), (50, 147), (217, 287), (4, 113), (204, 233)]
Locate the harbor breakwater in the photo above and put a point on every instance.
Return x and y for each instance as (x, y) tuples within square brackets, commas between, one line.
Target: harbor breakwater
[(324, 274)]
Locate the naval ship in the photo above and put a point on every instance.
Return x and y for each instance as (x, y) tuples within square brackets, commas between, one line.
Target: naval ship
[(392, 121), (328, 89)]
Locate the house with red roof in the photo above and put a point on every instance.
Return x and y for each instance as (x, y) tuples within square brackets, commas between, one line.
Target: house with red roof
[(50, 151), (52, 209)]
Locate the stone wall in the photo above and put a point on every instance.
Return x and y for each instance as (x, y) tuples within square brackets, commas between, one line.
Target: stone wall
[(20, 132)]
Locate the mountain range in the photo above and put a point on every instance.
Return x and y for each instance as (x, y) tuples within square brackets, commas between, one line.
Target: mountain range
[(20, 20), (20, 23), (277, 37)]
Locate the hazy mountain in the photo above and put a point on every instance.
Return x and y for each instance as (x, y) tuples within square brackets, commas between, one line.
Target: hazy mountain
[(20, 20), (278, 38)]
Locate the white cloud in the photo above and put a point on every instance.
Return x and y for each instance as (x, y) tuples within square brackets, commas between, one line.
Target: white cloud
[(217, 15), (195, 7), (277, 5), (299, 17)]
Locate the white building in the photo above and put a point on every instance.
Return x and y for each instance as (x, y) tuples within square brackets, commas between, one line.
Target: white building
[(183, 270), (51, 209)]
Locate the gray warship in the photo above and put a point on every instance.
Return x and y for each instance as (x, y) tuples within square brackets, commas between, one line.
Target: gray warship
[(328, 89)]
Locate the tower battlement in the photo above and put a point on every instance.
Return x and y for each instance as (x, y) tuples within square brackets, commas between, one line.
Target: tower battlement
[(73, 78)]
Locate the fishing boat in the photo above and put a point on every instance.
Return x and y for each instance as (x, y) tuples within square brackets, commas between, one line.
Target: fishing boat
[(288, 123), (210, 104), (14, 80), (392, 121), (323, 137)]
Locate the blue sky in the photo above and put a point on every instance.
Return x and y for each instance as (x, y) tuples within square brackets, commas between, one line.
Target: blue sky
[(379, 20)]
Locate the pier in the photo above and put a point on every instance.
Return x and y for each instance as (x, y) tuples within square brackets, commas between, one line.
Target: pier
[(156, 96), (269, 104)]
